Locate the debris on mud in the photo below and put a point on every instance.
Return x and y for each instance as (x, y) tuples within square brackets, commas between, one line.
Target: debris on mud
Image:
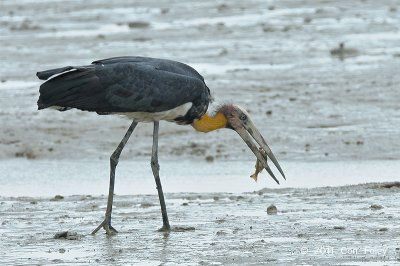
[(68, 235), (389, 185), (146, 205), (342, 52), (183, 228), (376, 207), (339, 227)]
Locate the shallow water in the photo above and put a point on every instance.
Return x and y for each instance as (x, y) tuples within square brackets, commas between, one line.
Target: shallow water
[(35, 178)]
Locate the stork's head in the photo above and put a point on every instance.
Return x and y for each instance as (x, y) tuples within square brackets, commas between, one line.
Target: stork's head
[(235, 117)]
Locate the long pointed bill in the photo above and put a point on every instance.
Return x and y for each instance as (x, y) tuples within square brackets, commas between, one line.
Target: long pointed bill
[(249, 132), (250, 127)]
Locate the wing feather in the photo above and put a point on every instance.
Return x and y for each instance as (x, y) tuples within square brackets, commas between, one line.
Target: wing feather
[(125, 84)]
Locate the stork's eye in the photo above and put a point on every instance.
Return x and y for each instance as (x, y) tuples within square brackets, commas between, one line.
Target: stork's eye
[(243, 117)]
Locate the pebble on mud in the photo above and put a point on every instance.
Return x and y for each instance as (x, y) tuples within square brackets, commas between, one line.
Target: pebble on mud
[(57, 197), (209, 158), (271, 210)]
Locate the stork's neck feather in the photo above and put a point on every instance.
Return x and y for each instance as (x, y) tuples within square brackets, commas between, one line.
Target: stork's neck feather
[(208, 123)]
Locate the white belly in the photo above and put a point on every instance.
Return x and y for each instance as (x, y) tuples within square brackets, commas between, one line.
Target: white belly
[(168, 115)]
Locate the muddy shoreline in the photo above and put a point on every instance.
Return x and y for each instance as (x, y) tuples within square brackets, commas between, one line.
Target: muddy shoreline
[(281, 60), (333, 225)]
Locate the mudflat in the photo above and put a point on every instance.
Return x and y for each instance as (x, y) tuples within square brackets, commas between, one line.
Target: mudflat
[(320, 80)]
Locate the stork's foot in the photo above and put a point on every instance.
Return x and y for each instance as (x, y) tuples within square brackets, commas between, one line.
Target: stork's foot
[(106, 224), (165, 228)]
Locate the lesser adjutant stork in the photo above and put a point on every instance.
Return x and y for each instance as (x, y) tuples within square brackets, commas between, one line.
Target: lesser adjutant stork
[(146, 90)]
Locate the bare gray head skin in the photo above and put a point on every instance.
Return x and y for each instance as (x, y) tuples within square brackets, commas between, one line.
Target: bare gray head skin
[(239, 120)]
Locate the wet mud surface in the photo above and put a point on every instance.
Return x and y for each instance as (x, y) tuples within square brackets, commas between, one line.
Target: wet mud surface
[(313, 99), (334, 225), (280, 60)]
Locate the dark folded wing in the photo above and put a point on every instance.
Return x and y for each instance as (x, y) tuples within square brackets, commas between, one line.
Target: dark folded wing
[(126, 84), (161, 64)]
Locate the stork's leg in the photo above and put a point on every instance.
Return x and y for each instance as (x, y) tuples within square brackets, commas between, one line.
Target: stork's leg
[(155, 167), (106, 224)]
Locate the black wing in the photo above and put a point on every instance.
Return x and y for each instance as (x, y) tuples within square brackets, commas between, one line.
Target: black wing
[(162, 64), (123, 84)]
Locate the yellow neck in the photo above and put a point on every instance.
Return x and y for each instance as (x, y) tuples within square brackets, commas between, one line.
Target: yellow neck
[(208, 123)]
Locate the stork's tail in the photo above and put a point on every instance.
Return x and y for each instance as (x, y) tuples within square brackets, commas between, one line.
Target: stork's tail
[(63, 87)]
